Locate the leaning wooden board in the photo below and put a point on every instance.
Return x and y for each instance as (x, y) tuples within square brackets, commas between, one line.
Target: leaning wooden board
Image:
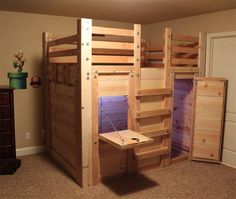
[(208, 119), (125, 139)]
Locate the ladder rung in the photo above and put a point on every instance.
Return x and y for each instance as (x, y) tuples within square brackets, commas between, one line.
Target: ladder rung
[(152, 153), (184, 69), (156, 132), (151, 92), (158, 112)]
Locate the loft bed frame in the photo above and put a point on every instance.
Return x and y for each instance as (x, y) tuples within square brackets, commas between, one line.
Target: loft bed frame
[(106, 62)]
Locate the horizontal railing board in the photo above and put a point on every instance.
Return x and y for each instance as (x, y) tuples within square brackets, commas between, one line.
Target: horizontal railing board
[(179, 61), (112, 31), (186, 38), (64, 40), (112, 45), (180, 49)]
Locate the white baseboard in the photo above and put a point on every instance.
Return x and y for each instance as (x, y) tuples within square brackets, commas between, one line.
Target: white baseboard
[(30, 150)]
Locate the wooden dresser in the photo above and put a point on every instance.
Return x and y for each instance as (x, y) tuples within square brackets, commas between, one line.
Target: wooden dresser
[(7, 127)]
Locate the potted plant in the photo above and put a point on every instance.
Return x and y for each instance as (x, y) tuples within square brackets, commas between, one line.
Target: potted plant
[(18, 79)]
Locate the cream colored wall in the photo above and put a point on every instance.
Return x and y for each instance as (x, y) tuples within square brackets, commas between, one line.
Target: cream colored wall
[(212, 22), (23, 31)]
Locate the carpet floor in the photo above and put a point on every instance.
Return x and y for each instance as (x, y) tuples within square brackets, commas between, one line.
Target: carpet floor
[(39, 177)]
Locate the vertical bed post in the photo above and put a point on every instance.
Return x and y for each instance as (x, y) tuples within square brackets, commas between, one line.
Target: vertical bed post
[(168, 102), (83, 97), (133, 102), (202, 53), (46, 90)]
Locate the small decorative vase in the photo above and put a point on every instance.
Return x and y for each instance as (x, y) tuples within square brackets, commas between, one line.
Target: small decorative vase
[(18, 80)]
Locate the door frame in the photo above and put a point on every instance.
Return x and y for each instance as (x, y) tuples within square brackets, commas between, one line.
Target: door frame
[(209, 48)]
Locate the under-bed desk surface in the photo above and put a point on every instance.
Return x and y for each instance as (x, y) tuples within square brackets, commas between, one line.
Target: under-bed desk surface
[(125, 139)]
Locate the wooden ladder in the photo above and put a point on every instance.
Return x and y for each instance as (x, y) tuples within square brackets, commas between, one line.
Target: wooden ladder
[(156, 59)]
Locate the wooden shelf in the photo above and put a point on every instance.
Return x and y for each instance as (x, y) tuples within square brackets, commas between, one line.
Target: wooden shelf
[(131, 139), (152, 153), (152, 92), (158, 112)]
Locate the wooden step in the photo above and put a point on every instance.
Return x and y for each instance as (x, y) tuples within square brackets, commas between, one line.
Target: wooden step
[(152, 153), (184, 69), (147, 114), (152, 92), (156, 132)]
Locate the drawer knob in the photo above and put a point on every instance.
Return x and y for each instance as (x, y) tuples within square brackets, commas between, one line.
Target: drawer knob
[(212, 155), (203, 140)]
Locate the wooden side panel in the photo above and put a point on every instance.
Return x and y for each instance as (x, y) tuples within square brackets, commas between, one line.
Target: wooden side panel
[(182, 118), (208, 119)]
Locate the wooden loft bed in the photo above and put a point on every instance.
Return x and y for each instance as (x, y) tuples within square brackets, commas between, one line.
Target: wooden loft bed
[(100, 62), (97, 76)]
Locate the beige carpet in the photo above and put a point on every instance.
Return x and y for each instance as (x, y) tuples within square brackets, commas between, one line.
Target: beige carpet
[(39, 177)]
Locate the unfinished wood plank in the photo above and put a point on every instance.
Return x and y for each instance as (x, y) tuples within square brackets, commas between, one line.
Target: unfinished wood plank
[(63, 60), (156, 48), (179, 61), (102, 59), (210, 88), (112, 69), (112, 31), (184, 38), (152, 92), (180, 49), (65, 40), (61, 53), (152, 65), (113, 45), (152, 153), (101, 51), (125, 139), (202, 54), (154, 57), (184, 69), (154, 113)]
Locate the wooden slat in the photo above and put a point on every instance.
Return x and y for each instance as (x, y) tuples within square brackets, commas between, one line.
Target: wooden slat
[(97, 51), (112, 31), (180, 49), (69, 52), (184, 76), (179, 61), (100, 59), (153, 92), (157, 48), (186, 38), (65, 40), (112, 45), (63, 60), (153, 65), (158, 112), (154, 57), (112, 69), (184, 69), (125, 139), (152, 153)]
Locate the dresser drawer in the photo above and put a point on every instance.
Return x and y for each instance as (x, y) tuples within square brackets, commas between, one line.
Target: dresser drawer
[(7, 152), (4, 98), (5, 125), (5, 139), (205, 151), (5, 112)]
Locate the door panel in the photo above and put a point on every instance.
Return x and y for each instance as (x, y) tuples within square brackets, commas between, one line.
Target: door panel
[(221, 61)]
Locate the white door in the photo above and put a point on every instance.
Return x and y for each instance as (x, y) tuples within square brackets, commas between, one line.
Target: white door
[(221, 62)]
